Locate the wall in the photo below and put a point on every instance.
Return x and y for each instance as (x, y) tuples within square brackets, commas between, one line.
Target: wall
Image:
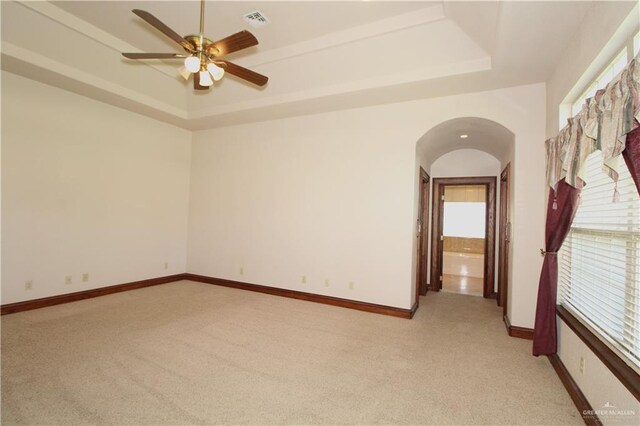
[(87, 188), (588, 52), (598, 384), (465, 162), (329, 196), (334, 196), (314, 196), (464, 245), (466, 193)]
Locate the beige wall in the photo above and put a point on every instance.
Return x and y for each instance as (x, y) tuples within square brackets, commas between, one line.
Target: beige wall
[(597, 382), (465, 162), (463, 245), (87, 188), (329, 196), (334, 196), (465, 193), (588, 52)]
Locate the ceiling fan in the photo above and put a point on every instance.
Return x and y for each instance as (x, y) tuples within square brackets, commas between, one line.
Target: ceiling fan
[(202, 56)]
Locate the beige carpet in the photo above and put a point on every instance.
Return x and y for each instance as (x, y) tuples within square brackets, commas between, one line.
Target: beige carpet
[(191, 353)]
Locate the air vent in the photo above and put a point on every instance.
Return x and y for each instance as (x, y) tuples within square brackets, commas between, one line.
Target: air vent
[(256, 19)]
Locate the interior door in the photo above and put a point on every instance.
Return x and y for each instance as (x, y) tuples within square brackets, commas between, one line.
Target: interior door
[(505, 237), (423, 233), (437, 236)]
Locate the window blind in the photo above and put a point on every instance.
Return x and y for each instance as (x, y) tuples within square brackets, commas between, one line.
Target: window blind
[(599, 262)]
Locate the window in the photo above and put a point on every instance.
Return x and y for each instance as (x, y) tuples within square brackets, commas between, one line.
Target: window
[(610, 72), (464, 219), (599, 277), (636, 44)]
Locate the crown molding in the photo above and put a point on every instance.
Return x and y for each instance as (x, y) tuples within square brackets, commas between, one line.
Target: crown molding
[(81, 26), (338, 38), (22, 61), (421, 74)]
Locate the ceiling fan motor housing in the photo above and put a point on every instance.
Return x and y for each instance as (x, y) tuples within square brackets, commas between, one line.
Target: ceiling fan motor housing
[(200, 47)]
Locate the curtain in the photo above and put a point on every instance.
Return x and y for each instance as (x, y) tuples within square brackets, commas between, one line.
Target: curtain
[(561, 208), (631, 156), (609, 122)]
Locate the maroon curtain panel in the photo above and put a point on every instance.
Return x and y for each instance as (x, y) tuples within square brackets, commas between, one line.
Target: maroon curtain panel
[(631, 155), (561, 208)]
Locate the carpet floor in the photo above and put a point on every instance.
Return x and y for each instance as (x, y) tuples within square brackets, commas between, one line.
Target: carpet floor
[(192, 353)]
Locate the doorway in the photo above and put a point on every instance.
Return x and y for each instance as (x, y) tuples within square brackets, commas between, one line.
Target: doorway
[(422, 235), (504, 239), (463, 230), (463, 238)]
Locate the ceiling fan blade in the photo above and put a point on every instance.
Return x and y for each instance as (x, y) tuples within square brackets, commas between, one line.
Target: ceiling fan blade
[(196, 82), (244, 73), (153, 55), (233, 43), (159, 25)]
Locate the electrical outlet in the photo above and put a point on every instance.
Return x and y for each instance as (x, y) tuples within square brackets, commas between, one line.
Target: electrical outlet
[(326, 282), (242, 270), (304, 279), (581, 365), (68, 279), (352, 285), (28, 285), (85, 277)]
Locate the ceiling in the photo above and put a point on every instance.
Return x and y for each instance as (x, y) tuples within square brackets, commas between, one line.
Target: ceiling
[(319, 56), (479, 133)]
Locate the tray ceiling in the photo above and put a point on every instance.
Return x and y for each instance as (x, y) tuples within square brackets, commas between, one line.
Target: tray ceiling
[(319, 56)]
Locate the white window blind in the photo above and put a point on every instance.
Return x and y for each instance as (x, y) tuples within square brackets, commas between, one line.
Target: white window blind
[(599, 263)]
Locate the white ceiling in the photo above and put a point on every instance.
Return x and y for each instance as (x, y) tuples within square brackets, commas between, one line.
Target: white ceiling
[(319, 56), (484, 135), (291, 22)]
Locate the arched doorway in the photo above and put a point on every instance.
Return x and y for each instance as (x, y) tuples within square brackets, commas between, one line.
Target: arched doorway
[(467, 147)]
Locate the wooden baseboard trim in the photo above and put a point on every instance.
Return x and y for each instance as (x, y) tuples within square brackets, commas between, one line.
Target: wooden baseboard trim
[(310, 297), (584, 408), (519, 332), (413, 310), (28, 305)]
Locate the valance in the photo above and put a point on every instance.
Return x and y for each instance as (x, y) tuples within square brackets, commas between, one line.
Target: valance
[(602, 124)]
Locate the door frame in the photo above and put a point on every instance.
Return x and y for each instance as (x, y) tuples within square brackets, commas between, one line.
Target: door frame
[(489, 182), (422, 285), (504, 238)]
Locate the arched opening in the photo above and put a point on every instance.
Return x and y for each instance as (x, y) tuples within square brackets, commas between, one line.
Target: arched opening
[(461, 148), (482, 135)]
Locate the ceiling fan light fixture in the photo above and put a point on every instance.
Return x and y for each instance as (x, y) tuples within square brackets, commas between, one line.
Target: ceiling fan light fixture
[(203, 57), (184, 72), (205, 78), (216, 71), (192, 64)]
